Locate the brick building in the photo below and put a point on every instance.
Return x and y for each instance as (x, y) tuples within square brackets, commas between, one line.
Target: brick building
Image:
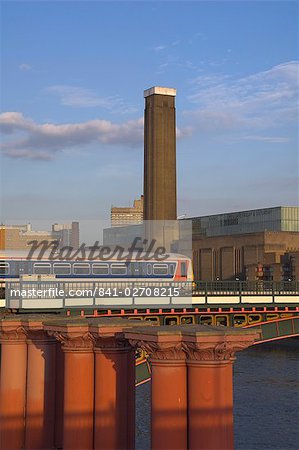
[(248, 245), (268, 255), (17, 237)]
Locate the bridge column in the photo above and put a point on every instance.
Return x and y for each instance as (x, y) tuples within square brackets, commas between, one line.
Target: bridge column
[(12, 384), (40, 390), (59, 396), (111, 395), (77, 345), (210, 355), (194, 362), (169, 385), (114, 427)]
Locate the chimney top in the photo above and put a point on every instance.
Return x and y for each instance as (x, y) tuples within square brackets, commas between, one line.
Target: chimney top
[(160, 91)]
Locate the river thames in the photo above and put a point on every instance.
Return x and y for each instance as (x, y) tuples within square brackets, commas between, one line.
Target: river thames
[(266, 399)]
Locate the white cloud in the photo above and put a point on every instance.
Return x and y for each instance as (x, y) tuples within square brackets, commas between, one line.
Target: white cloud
[(260, 101), (161, 47), (183, 132), (75, 96), (266, 139), (11, 122), (174, 63), (158, 48), (34, 141), (25, 66), (28, 154), (200, 35)]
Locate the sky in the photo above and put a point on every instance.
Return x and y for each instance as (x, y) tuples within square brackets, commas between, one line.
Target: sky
[(73, 76)]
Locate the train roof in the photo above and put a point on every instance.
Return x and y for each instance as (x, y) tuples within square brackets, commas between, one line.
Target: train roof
[(23, 255)]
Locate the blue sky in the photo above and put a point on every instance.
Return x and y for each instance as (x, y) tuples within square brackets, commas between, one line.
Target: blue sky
[(72, 104)]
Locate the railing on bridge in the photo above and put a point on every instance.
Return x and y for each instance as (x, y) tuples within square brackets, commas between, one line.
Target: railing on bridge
[(245, 287), (140, 294)]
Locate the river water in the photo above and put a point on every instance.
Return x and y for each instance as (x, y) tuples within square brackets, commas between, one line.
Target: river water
[(266, 399)]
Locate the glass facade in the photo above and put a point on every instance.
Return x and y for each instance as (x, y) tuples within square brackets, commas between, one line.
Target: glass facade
[(281, 218), (289, 218)]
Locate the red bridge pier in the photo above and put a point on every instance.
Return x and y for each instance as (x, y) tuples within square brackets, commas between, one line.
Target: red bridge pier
[(192, 403), (192, 380)]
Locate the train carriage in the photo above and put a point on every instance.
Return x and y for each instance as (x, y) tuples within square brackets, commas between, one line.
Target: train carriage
[(174, 268)]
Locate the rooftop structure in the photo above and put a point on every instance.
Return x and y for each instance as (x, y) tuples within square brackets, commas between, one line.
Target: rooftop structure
[(280, 218)]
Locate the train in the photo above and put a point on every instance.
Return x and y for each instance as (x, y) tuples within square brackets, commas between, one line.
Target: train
[(175, 267)]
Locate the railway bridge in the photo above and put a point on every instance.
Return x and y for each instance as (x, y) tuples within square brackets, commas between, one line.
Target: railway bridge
[(270, 308)]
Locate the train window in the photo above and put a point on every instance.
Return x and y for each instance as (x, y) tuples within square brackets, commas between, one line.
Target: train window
[(171, 269), (42, 268), (206, 320), (118, 269), (81, 269), (149, 269), (142, 269), (183, 269), (160, 269), (62, 268), (100, 269), (4, 268)]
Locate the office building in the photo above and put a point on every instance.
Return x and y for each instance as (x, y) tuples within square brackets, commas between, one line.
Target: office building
[(122, 216)]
